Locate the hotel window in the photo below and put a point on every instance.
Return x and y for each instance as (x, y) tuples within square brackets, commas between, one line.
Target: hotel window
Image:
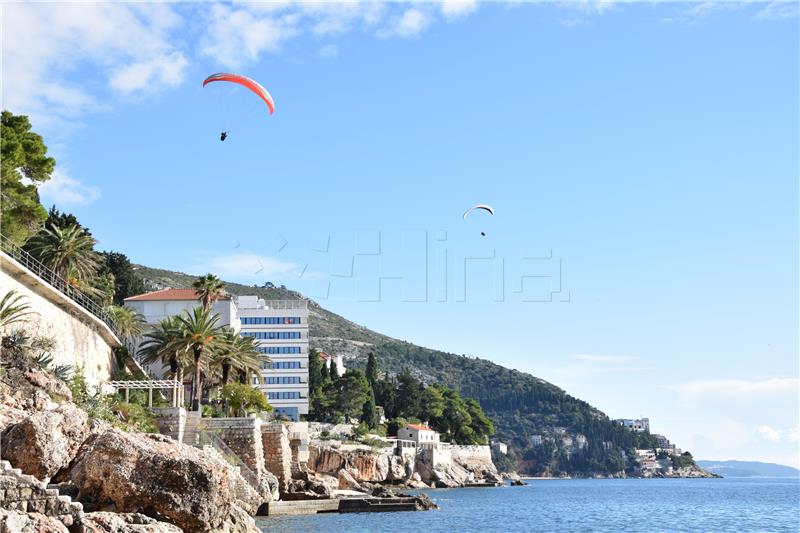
[(283, 395), (283, 380), (270, 320), (281, 365)]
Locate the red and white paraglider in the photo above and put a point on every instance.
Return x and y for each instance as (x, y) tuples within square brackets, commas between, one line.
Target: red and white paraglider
[(244, 81)]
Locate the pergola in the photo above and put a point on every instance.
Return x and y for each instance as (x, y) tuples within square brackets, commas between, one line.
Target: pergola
[(150, 385)]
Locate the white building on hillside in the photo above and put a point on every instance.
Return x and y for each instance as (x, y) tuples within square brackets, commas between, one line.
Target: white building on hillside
[(419, 434), (280, 328), (338, 360), (158, 305), (635, 424)]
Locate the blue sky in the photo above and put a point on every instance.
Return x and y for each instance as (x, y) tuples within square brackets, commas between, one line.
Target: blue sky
[(641, 158)]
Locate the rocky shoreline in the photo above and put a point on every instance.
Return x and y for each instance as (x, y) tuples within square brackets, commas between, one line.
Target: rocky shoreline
[(63, 471)]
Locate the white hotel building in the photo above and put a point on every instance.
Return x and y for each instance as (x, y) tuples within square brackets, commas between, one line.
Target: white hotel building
[(280, 328)]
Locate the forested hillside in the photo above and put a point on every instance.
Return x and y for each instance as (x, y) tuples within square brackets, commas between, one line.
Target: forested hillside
[(574, 436)]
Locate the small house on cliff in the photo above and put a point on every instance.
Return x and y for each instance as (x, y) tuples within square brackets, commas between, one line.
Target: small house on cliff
[(418, 433)]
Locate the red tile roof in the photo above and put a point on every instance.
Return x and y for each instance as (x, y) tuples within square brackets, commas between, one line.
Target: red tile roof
[(168, 294), (418, 427)]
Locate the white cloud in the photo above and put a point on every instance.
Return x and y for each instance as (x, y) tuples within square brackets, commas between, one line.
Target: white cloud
[(736, 388), (604, 358), (163, 71), (62, 189), (410, 23), (238, 36), (247, 265), (46, 47), (329, 51), (778, 10), (455, 9), (769, 433)]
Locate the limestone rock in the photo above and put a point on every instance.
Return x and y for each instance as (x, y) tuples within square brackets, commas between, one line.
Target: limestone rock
[(159, 477), (46, 441), (102, 522), (306, 490), (16, 522), (347, 481), (30, 389)]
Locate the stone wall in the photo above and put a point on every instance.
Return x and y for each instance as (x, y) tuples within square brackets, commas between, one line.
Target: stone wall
[(25, 494), (83, 340), (243, 437), (171, 421), (472, 455), (278, 453)]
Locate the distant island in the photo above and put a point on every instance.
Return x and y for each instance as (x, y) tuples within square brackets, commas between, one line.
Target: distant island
[(748, 469)]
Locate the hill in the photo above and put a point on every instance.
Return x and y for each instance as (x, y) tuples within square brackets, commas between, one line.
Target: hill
[(548, 430), (748, 469)]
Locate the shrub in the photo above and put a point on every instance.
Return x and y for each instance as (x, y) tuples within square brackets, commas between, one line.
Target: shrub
[(244, 398)]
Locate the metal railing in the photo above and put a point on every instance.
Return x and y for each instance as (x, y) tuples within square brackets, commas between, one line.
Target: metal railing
[(57, 282)]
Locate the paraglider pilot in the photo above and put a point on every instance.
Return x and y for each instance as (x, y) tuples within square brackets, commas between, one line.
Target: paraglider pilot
[(223, 135)]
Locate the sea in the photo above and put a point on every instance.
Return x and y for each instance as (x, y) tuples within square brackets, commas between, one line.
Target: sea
[(612, 505)]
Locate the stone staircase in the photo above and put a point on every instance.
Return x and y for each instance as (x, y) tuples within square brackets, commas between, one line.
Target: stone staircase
[(26, 494), (192, 428)]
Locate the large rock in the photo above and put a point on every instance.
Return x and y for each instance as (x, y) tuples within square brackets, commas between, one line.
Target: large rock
[(159, 477), (45, 442), (31, 389), (102, 522), (348, 482), (16, 522)]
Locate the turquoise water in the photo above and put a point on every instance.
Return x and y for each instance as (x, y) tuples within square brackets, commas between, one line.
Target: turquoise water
[(706, 505)]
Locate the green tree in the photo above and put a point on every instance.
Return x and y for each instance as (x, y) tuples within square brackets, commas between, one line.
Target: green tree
[(164, 345), (23, 155), (200, 336), (432, 405), (368, 410), (482, 427), (372, 369), (334, 370), (409, 395), (235, 353), (209, 289), (316, 381), (130, 324), (243, 399), (352, 390), (126, 281), (386, 397), (62, 220), (68, 251)]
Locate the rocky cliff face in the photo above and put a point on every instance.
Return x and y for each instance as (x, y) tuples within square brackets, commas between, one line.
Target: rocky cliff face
[(160, 477), (44, 435), (46, 441), (447, 467)]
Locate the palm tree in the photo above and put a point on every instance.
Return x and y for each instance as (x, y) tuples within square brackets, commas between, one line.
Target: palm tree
[(200, 335), (13, 308), (209, 289), (164, 345), (235, 353), (68, 251), (130, 324)]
